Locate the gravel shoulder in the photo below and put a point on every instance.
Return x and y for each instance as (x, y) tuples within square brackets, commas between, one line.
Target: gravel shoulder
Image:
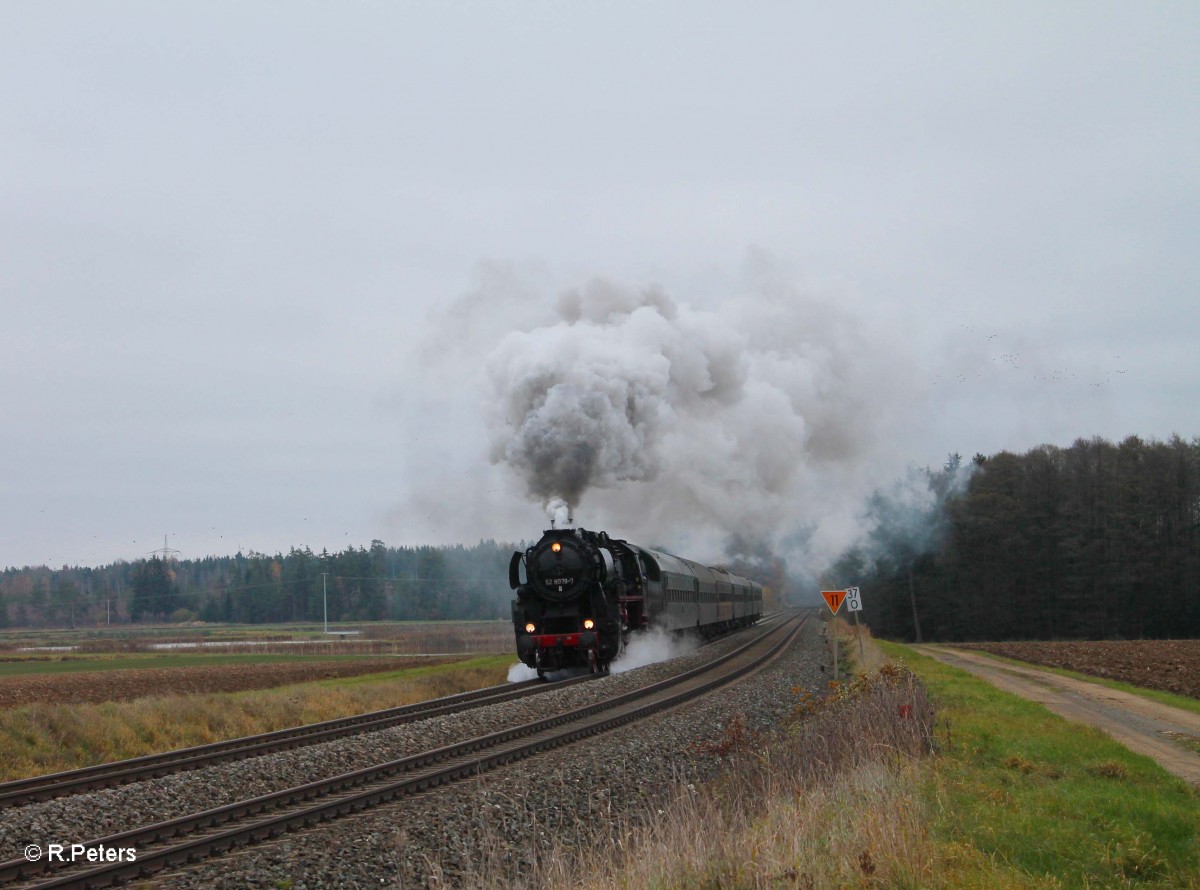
[(1156, 730)]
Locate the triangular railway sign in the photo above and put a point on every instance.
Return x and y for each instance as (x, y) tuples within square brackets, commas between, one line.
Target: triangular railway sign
[(833, 598)]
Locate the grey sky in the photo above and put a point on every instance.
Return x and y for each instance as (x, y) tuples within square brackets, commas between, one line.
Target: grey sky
[(224, 228)]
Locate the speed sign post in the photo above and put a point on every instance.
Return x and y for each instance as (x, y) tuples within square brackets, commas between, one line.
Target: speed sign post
[(834, 599), (854, 604)]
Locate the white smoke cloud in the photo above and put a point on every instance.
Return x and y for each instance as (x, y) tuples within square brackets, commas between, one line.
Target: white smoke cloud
[(667, 416), (559, 512), (770, 414), (609, 389)]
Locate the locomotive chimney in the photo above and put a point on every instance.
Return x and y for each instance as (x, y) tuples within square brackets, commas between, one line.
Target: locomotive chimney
[(559, 512)]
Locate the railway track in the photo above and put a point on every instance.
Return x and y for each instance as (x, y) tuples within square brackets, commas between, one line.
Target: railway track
[(121, 772), (190, 838)]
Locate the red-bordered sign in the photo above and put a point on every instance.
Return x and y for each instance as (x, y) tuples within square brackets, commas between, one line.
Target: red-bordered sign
[(833, 598)]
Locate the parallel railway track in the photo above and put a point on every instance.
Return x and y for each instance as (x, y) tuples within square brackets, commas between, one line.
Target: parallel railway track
[(121, 772), (190, 838)]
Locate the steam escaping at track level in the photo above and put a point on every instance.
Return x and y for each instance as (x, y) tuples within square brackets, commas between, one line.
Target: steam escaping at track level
[(649, 647)]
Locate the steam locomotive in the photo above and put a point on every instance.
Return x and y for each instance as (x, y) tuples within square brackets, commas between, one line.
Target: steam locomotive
[(581, 593)]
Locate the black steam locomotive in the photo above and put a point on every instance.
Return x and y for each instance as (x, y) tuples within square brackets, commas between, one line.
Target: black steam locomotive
[(583, 593)]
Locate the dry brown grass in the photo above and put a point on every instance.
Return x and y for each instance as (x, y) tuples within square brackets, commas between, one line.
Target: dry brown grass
[(831, 800), (46, 738), (865, 658)]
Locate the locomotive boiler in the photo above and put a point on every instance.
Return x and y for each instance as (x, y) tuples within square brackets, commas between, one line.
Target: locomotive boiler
[(579, 594)]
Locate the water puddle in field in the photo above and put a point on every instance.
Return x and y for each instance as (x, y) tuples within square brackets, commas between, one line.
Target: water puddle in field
[(249, 644), (48, 649), (340, 638)]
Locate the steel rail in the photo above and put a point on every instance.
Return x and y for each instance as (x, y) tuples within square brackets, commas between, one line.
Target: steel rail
[(342, 794), (151, 766)]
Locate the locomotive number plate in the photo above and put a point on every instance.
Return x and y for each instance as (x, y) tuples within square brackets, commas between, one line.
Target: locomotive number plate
[(560, 581)]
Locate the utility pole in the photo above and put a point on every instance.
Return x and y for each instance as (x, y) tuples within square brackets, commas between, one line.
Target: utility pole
[(325, 600), (912, 598)]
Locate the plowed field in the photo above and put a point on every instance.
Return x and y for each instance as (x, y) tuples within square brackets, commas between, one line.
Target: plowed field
[(99, 686), (1165, 665)]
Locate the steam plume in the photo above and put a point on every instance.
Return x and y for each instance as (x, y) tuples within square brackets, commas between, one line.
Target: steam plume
[(688, 424)]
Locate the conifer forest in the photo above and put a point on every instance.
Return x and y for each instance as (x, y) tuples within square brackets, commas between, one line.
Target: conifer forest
[(1094, 541)]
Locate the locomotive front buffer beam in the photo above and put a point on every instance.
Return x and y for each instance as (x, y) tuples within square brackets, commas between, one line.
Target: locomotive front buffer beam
[(549, 652)]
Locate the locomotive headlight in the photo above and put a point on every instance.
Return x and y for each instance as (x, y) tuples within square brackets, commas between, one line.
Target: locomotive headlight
[(588, 623), (530, 627), (556, 547)]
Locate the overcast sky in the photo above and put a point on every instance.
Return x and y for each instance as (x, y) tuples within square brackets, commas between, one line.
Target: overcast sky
[(239, 240)]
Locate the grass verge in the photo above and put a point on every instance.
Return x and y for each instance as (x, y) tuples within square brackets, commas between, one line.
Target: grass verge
[(45, 738), (1020, 797)]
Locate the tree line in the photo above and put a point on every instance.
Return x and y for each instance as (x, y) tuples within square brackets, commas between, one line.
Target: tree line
[(356, 584), (1095, 541), (1098, 540)]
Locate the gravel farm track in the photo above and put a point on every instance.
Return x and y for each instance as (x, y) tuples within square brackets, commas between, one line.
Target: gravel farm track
[(1169, 735), (1165, 665), (131, 683)]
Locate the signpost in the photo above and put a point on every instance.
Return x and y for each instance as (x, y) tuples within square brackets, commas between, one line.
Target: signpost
[(853, 600), (854, 604), (833, 599)]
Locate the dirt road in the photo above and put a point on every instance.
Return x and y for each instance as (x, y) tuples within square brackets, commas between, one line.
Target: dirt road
[(1147, 727), (1166, 665)]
